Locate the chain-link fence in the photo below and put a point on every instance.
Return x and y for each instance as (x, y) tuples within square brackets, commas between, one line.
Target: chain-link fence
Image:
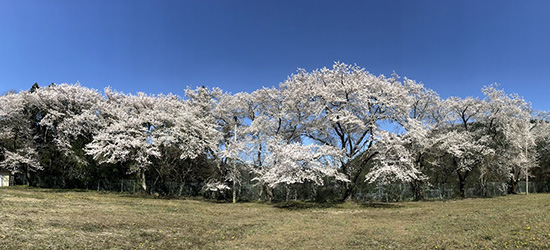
[(250, 191)]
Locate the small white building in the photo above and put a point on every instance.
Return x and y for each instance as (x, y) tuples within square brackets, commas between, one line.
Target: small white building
[(5, 178)]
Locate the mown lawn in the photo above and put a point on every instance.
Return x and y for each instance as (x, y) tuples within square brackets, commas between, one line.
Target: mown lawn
[(58, 219)]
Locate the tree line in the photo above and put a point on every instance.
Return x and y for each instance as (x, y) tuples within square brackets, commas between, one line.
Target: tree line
[(338, 126)]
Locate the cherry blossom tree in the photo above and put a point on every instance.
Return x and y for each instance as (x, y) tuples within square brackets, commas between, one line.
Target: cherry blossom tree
[(344, 107), (400, 157), (227, 112), (541, 132), (17, 128), (341, 122), (130, 136), (141, 124), (67, 119), (293, 163), (279, 121), (460, 140), (508, 120)]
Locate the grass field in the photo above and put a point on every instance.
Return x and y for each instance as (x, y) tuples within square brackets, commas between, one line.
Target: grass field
[(59, 219)]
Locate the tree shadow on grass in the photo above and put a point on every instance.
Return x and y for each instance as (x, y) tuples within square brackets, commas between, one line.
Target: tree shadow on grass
[(380, 205), (62, 190), (302, 205), (299, 205), (47, 190)]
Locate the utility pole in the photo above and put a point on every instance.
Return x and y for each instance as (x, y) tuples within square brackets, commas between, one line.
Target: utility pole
[(526, 169), (234, 166), (526, 173)]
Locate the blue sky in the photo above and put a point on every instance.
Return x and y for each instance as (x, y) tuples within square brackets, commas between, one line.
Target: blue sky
[(453, 47)]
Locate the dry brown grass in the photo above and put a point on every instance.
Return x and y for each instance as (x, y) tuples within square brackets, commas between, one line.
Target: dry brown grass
[(57, 219)]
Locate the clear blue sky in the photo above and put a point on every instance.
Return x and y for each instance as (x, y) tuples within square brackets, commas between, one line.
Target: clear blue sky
[(453, 47)]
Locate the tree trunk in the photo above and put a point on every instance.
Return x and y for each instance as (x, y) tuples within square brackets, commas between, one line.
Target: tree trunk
[(418, 192), (29, 177), (462, 189), (484, 190), (350, 186), (143, 180), (462, 183), (313, 192), (513, 185), (287, 192), (269, 193), (234, 192), (526, 181), (261, 192), (348, 194), (180, 191), (416, 185)]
